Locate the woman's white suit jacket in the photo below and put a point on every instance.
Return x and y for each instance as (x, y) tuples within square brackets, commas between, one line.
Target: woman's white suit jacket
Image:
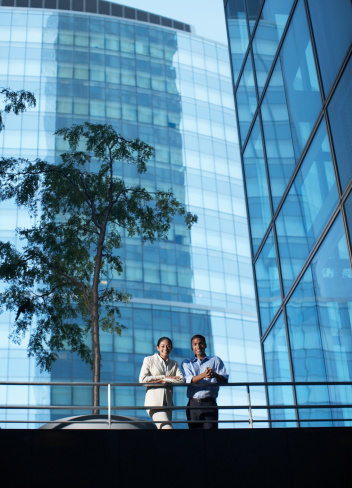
[(152, 370)]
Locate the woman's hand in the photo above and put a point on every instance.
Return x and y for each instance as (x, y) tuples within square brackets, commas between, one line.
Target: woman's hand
[(157, 381)]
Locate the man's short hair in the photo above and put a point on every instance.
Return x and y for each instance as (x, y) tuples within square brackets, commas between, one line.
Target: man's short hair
[(198, 336)]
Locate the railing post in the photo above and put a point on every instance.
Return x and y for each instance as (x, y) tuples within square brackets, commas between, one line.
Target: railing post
[(109, 406), (249, 408)]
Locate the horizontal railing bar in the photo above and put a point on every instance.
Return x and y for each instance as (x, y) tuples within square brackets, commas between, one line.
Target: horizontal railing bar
[(298, 406), (105, 421), (59, 421), (272, 421), (162, 385), (91, 407), (57, 407), (153, 407)]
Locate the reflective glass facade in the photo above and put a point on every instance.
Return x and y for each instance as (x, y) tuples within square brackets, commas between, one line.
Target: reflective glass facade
[(292, 74), (173, 90)]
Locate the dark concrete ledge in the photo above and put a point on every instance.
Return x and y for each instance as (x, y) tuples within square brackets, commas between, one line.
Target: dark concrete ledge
[(312, 457)]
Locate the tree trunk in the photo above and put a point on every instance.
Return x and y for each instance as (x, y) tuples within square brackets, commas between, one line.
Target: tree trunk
[(95, 304), (95, 329), (95, 321), (96, 355)]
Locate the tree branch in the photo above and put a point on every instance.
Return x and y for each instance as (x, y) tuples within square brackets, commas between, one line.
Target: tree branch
[(72, 280)]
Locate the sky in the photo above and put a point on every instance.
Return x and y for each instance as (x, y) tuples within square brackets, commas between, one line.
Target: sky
[(207, 16)]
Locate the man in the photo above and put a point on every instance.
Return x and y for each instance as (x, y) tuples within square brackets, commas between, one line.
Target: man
[(203, 369)]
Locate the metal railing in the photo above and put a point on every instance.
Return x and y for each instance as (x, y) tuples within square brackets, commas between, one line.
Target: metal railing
[(335, 410)]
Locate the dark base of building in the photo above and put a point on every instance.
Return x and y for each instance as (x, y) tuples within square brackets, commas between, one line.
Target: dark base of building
[(285, 458)]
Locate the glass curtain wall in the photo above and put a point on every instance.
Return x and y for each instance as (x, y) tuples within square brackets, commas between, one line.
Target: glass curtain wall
[(293, 90), (173, 90)]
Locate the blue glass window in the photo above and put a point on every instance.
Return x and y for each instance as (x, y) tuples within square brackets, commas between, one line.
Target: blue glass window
[(320, 318), (257, 187), (340, 115), (306, 348), (5, 18), (332, 278), (111, 27), (246, 99), (271, 25), (277, 368), (277, 134), (268, 284), (238, 33), (332, 26), (253, 7), (348, 209), (307, 207), (300, 79)]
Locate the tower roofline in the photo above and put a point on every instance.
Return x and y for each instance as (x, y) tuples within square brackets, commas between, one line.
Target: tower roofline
[(102, 8)]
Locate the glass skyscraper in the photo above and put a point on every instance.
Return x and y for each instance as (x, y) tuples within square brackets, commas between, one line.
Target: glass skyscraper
[(149, 77), (292, 76)]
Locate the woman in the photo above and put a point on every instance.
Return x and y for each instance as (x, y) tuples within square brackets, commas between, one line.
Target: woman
[(160, 369)]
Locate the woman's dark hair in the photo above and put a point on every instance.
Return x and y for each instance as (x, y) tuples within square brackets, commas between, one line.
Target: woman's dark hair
[(164, 339)]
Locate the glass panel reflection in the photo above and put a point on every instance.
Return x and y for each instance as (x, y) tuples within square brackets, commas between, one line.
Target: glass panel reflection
[(278, 369), (348, 210), (340, 110), (257, 187), (320, 318), (307, 207), (328, 19), (272, 22), (246, 99), (277, 133), (300, 79), (238, 33), (268, 284), (306, 349), (253, 7)]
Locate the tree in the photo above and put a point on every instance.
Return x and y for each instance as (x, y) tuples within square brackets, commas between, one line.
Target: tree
[(79, 207), (16, 102)]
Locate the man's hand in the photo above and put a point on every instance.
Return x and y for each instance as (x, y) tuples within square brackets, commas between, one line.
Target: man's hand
[(209, 373)]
